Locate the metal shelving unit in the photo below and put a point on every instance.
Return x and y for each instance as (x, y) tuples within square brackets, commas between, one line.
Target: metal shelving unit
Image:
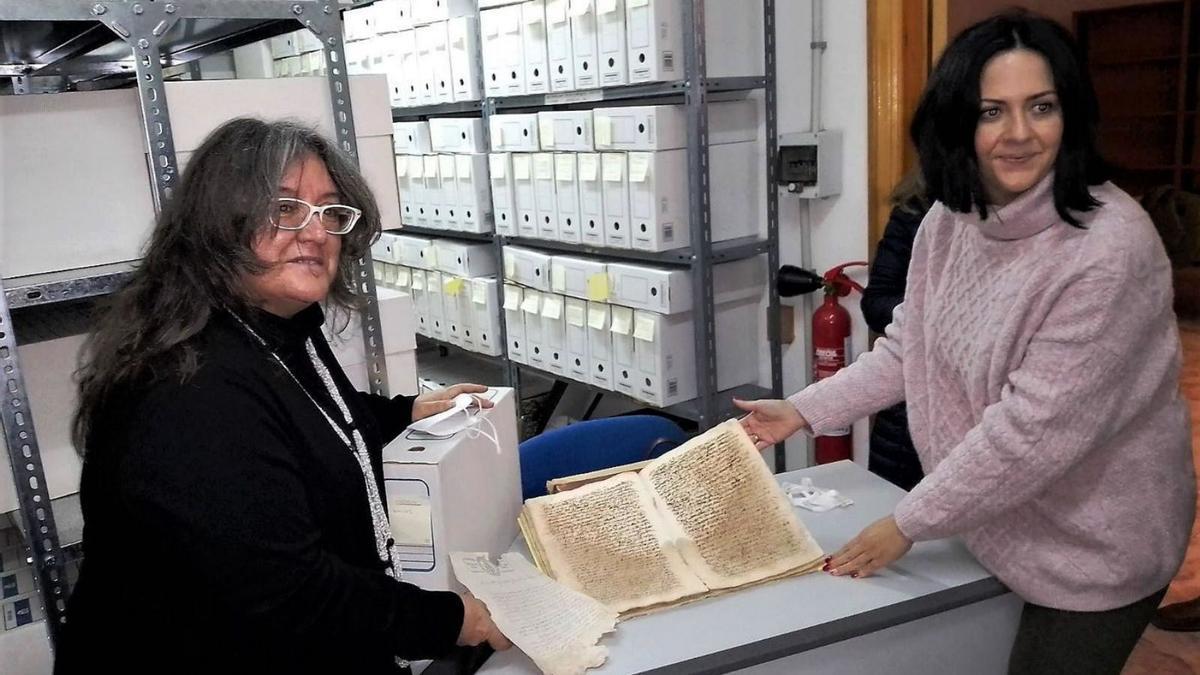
[(695, 92), (76, 45)]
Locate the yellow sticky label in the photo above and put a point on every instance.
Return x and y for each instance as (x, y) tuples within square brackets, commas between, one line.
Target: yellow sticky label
[(597, 316), (614, 167), (532, 302), (602, 128), (479, 291), (552, 306), (564, 167), (643, 326), (543, 166), (589, 164), (622, 320), (576, 312), (558, 276), (597, 287), (453, 286), (545, 131), (498, 163), (520, 167), (512, 298), (639, 166)]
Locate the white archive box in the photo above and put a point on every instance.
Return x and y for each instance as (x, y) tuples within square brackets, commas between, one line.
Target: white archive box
[(566, 181), (463, 35), (611, 41), (457, 134), (474, 195), (380, 49), (503, 201), (111, 168), (437, 305), (545, 199), (283, 46), (515, 132), (404, 189), (527, 267), (411, 76), (664, 127), (308, 42), (393, 15), (453, 494), (312, 64), (524, 191), (591, 199), (658, 200), (584, 43), (418, 199), (583, 278), (503, 51), (514, 322), (412, 250), (412, 138), (429, 11), (533, 45), (433, 192), (456, 292), (416, 287), (558, 46), (531, 313), (358, 58), (553, 333), (669, 291), (447, 215), (484, 335), (387, 248), (397, 320), (624, 362), (655, 34), (566, 130), (433, 51), (615, 187), (575, 340), (600, 362), (358, 24), (464, 259)]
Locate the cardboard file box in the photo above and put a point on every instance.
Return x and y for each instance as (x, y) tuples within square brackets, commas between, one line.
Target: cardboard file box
[(503, 201), (503, 51), (437, 305), (533, 42), (610, 32), (584, 43), (410, 177), (457, 135), (575, 340), (433, 49), (566, 130), (483, 334), (535, 335), (428, 11), (456, 294), (600, 343), (465, 260), (669, 291), (515, 133), (431, 215), (655, 34), (463, 35), (615, 184), (393, 15), (527, 267), (566, 182), (398, 323), (413, 74), (386, 248), (583, 278), (664, 127), (420, 298), (413, 250), (591, 199), (545, 199), (444, 214), (514, 322), (553, 332), (524, 195), (624, 361), (474, 194), (453, 494), (558, 46)]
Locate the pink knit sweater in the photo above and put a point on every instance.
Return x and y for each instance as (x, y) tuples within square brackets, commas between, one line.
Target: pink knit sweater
[(1041, 365)]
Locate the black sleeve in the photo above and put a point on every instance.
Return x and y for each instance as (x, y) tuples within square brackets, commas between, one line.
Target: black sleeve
[(392, 415), (209, 471), (889, 271)]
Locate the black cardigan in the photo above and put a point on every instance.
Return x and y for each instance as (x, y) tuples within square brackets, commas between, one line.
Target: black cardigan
[(227, 527), (892, 455)]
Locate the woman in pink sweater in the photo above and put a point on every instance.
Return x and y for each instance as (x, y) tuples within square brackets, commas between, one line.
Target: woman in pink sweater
[(1039, 356)]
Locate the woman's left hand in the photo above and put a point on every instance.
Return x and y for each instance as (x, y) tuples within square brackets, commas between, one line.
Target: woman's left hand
[(879, 544), (434, 402)]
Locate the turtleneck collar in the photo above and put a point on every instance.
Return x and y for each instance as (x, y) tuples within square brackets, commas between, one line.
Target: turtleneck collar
[(283, 335), (1030, 213)]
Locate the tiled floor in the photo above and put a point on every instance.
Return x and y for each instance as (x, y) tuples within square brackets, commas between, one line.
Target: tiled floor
[(1160, 652)]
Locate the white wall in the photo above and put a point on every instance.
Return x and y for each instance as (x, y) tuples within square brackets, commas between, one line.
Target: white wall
[(839, 227)]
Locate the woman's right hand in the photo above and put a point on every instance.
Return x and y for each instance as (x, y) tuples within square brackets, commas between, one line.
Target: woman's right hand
[(770, 421), (477, 626)]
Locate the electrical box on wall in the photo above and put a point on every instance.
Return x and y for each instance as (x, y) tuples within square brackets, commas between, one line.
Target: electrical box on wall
[(810, 163)]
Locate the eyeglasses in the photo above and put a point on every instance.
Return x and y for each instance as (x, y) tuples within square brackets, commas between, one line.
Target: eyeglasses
[(288, 213)]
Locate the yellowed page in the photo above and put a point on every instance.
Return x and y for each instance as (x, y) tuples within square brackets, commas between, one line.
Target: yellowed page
[(606, 540), (554, 625), (717, 491)]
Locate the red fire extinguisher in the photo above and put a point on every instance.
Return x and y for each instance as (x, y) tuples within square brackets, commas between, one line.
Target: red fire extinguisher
[(831, 347)]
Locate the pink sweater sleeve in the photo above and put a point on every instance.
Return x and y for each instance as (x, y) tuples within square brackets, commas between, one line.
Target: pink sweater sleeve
[(872, 383), (1091, 367)]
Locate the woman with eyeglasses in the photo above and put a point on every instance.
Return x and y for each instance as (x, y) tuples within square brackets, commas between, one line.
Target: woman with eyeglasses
[(234, 511), (1039, 357)]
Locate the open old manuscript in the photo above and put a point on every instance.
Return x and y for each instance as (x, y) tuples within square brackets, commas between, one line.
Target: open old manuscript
[(705, 517)]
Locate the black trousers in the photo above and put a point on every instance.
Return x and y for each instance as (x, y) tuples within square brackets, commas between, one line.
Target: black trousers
[(1058, 642)]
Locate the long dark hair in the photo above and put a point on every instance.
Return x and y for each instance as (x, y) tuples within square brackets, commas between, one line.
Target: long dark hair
[(200, 251), (943, 128)]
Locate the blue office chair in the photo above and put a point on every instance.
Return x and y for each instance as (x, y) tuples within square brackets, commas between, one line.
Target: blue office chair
[(593, 445)]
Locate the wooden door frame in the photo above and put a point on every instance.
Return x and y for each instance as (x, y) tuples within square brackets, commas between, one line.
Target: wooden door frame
[(904, 38)]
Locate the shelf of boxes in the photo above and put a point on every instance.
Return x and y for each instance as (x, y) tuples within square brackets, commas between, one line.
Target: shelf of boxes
[(442, 176)]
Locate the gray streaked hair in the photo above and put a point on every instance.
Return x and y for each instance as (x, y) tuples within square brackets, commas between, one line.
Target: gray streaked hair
[(201, 250)]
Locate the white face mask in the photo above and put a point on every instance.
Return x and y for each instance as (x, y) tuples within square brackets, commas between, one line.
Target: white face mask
[(463, 416)]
